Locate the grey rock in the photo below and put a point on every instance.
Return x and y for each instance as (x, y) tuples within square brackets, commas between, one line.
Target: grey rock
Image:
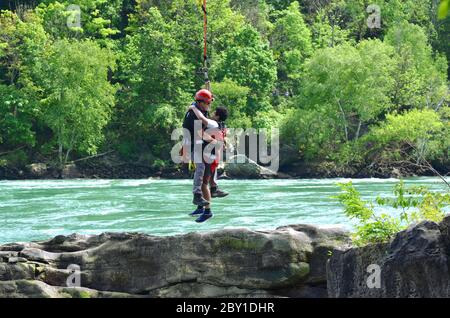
[(17, 247), (27, 289), (414, 264), (16, 271), (14, 260), (242, 167), (38, 289), (201, 290), (71, 172), (35, 254), (5, 256), (37, 169), (289, 261)]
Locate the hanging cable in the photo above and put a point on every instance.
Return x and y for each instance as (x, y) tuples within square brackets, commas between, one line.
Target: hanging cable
[(205, 46)]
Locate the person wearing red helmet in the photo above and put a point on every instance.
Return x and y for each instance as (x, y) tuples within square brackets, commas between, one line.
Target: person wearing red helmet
[(202, 178), (206, 96), (203, 99)]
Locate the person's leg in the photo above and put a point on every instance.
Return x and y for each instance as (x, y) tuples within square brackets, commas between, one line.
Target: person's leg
[(198, 178), (205, 186), (215, 191), (207, 195), (199, 200), (213, 182)]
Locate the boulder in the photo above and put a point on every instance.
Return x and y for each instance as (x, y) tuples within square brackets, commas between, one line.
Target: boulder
[(242, 167), (415, 264), (14, 260), (37, 169), (70, 172), (287, 262), (27, 289), (38, 289), (16, 271)]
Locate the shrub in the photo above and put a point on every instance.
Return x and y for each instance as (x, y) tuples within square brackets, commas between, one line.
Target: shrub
[(416, 204), (15, 159)]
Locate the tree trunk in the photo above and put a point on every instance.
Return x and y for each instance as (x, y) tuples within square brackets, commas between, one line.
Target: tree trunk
[(70, 147), (60, 147), (60, 154), (344, 119), (359, 129)]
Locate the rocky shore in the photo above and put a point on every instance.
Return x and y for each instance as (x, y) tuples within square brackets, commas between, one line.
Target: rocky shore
[(299, 261), (287, 262), (101, 169)]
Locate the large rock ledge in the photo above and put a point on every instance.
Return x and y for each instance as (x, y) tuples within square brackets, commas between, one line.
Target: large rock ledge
[(415, 264), (287, 262), (292, 261)]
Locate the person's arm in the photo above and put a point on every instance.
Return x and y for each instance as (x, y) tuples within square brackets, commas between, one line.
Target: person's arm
[(199, 115), (205, 136)]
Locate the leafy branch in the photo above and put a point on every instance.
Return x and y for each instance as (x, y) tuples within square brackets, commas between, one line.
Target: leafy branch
[(416, 204)]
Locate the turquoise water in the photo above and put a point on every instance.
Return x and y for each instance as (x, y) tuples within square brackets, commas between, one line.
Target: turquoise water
[(34, 210)]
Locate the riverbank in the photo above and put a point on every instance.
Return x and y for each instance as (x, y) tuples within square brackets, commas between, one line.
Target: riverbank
[(105, 168)]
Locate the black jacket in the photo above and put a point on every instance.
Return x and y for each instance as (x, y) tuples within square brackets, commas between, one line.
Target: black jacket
[(189, 121)]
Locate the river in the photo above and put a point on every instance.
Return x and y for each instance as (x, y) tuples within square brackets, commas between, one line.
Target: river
[(42, 209)]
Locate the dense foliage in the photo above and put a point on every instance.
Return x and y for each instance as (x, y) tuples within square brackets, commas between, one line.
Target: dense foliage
[(344, 94)]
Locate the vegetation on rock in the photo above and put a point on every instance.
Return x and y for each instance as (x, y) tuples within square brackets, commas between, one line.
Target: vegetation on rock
[(414, 204)]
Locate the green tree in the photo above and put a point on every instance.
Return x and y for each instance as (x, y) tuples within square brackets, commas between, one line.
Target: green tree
[(22, 44), (99, 18), (256, 13), (250, 63), (441, 141), (351, 85), (352, 16), (234, 97), (408, 138), (326, 33), (16, 117), (76, 96), (291, 44), (156, 81), (421, 78), (186, 19), (310, 132), (279, 4), (444, 8)]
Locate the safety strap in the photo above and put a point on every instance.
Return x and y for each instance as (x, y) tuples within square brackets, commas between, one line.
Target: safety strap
[(205, 32), (205, 45)]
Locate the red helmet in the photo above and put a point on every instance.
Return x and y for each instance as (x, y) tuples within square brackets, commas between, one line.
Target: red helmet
[(204, 95)]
